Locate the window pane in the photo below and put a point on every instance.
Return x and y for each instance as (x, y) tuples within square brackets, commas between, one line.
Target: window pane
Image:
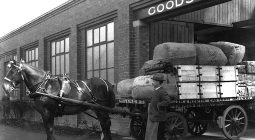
[(110, 54), (96, 57), (67, 45), (89, 38), (57, 65), (103, 74), (67, 63), (15, 57), (89, 74), (53, 65), (62, 46), (111, 75), (110, 31), (102, 56), (36, 53), (96, 35), (33, 55), (57, 47), (89, 59), (53, 48), (102, 34), (62, 60), (36, 64), (96, 73), (30, 55), (26, 56)]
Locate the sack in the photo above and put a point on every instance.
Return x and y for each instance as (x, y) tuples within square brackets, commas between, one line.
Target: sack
[(124, 87), (249, 66), (144, 89), (157, 66), (234, 52), (210, 55), (176, 53)]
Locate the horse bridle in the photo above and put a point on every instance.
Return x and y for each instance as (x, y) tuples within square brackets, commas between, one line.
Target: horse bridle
[(19, 70)]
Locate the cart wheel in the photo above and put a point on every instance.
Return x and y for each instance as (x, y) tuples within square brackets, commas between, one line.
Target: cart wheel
[(234, 122), (195, 126), (138, 127), (175, 126)]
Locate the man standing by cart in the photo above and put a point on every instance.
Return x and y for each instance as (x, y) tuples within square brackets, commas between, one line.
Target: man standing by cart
[(155, 115)]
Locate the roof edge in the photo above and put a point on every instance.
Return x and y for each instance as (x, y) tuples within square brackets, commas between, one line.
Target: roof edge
[(61, 8)]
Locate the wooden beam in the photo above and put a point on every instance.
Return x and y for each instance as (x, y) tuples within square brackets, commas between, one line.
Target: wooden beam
[(245, 23), (85, 103)]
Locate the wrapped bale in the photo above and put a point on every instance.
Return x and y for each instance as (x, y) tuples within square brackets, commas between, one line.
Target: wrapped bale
[(176, 53), (157, 66), (249, 66), (143, 87), (234, 52), (210, 55), (124, 87), (241, 69)]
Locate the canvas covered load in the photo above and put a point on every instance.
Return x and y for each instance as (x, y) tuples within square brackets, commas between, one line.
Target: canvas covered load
[(234, 52), (124, 87), (157, 66), (143, 87), (177, 53), (189, 54)]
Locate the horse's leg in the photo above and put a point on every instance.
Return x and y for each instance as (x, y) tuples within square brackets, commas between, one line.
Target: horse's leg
[(105, 123), (48, 121)]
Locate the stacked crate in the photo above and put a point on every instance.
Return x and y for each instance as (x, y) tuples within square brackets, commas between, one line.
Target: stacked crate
[(246, 75), (202, 82)]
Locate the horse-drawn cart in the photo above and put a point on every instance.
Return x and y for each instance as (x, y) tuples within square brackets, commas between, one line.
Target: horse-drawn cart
[(193, 115), (205, 93), (222, 100)]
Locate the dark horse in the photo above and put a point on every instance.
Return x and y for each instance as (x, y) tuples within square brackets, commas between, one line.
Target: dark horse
[(93, 90)]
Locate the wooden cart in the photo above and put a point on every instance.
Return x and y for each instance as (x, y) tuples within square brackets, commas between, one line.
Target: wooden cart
[(193, 116), (205, 94)]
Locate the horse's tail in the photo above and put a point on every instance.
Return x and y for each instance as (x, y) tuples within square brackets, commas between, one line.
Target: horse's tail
[(111, 93)]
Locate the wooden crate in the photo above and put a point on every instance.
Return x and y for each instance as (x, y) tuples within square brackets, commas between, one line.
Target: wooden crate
[(229, 89), (187, 73), (209, 73), (188, 91), (207, 90), (228, 73)]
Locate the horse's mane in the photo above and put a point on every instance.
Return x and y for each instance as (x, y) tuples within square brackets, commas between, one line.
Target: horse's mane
[(41, 71)]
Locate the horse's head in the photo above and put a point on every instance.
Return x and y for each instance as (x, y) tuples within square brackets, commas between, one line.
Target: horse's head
[(13, 77)]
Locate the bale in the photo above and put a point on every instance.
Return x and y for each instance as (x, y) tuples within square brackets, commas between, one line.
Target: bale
[(234, 52), (176, 53), (210, 55), (143, 87), (124, 87), (157, 66)]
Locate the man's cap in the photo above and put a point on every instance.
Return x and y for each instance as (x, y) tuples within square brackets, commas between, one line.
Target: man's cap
[(158, 77)]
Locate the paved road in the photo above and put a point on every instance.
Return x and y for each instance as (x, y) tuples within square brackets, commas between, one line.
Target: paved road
[(10, 133)]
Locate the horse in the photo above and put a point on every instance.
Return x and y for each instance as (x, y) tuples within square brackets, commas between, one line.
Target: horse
[(94, 90)]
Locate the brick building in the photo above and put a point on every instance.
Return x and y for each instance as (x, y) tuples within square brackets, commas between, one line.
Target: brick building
[(113, 38)]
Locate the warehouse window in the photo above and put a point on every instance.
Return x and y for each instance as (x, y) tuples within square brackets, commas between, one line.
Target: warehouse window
[(32, 56), (60, 56), (100, 52)]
